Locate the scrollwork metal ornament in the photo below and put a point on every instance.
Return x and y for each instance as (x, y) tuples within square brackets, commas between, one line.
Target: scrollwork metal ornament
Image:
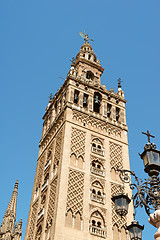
[(147, 193)]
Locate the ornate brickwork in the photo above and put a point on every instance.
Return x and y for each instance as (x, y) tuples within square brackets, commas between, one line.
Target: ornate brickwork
[(78, 142), (106, 128), (95, 158), (52, 200), (33, 220), (115, 156), (75, 192), (116, 219), (93, 208), (93, 179), (58, 146), (40, 172)]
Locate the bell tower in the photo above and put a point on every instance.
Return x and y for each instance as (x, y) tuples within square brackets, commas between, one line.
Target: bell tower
[(84, 140)]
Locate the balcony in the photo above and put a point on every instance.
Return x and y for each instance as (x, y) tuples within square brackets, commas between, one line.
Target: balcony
[(98, 231), (47, 164), (40, 214), (97, 171), (97, 198), (45, 184), (98, 151)]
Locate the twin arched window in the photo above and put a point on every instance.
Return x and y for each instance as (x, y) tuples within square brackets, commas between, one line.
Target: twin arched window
[(97, 147), (97, 192), (97, 168), (97, 224)]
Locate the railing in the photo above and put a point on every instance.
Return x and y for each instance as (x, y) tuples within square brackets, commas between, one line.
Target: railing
[(97, 198), (47, 164), (97, 171), (41, 213), (98, 231), (98, 151), (44, 185)]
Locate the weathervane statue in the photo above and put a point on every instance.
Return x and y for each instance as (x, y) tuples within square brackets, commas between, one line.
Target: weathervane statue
[(85, 36)]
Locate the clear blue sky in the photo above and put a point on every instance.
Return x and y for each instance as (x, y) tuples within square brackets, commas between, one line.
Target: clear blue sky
[(37, 39)]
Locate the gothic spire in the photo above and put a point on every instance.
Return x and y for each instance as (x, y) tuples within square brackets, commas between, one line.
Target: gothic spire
[(9, 218), (11, 209)]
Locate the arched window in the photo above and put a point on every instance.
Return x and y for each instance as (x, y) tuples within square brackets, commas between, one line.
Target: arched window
[(97, 168), (97, 192), (97, 102), (73, 160), (76, 162), (97, 146), (97, 226), (69, 219), (77, 221), (90, 75), (45, 184)]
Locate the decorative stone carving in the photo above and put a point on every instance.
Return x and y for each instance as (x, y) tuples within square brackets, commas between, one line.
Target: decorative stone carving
[(75, 192), (115, 156), (78, 138), (98, 124), (58, 147), (33, 220), (93, 179), (52, 200), (41, 162)]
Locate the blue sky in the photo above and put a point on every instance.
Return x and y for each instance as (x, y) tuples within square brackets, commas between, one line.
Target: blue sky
[(37, 40)]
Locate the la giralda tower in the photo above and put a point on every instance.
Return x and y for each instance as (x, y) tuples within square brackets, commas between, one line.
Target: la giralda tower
[(84, 140)]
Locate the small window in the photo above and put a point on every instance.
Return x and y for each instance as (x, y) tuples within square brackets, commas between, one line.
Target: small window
[(97, 102), (89, 57), (117, 114), (109, 106), (99, 224), (93, 191), (93, 145), (93, 222), (76, 96), (85, 100)]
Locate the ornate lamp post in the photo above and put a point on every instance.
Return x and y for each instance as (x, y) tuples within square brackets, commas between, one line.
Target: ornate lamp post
[(147, 192)]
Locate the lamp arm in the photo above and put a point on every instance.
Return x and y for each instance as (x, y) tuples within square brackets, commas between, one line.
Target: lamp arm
[(143, 196)]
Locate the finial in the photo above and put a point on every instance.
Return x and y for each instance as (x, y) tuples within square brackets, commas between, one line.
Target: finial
[(20, 223), (16, 185), (50, 97), (85, 36), (148, 135), (119, 82), (72, 61)]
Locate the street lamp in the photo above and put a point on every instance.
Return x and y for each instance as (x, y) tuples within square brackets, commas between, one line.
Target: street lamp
[(121, 203), (147, 192), (135, 230)]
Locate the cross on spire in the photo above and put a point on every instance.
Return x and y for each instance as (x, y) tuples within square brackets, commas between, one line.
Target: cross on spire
[(148, 135), (50, 96), (119, 82)]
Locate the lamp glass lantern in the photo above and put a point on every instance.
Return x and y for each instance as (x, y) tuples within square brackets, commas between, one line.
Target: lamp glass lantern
[(135, 230), (151, 160), (121, 203)]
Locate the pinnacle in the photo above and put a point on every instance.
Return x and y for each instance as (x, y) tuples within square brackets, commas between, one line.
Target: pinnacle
[(16, 185)]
